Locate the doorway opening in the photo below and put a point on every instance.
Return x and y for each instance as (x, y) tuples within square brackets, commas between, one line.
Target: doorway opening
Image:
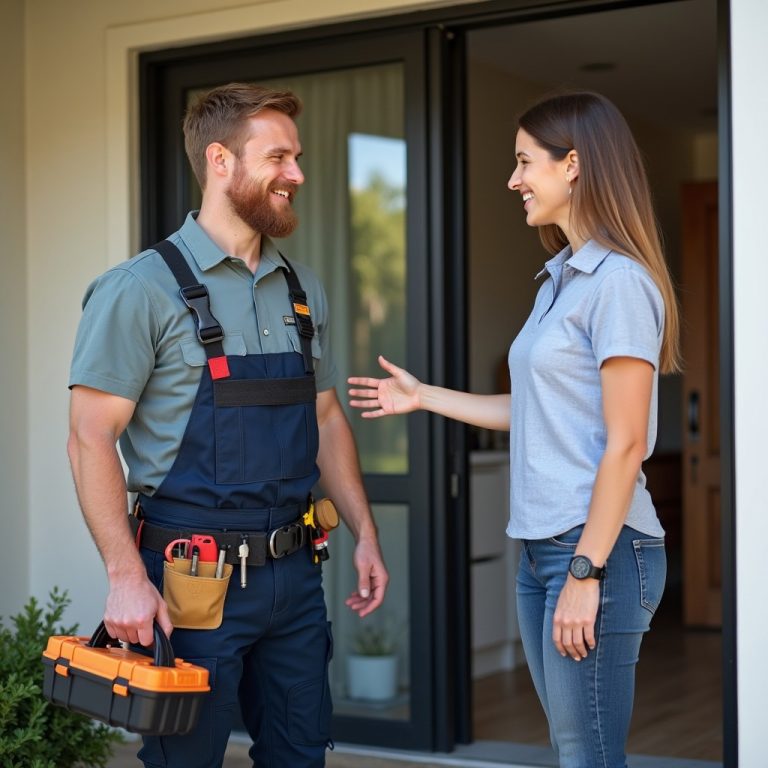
[(658, 63)]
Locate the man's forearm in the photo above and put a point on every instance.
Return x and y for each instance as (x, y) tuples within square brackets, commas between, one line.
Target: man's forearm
[(341, 478), (102, 494)]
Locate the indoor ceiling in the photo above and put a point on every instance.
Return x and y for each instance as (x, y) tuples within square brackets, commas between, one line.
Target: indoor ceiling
[(656, 62)]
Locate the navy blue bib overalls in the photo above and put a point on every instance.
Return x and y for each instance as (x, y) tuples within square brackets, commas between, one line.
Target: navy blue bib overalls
[(244, 466)]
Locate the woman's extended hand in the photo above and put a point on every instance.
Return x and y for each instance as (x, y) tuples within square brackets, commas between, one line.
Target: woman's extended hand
[(398, 394)]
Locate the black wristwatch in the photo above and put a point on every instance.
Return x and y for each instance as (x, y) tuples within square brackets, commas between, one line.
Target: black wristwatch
[(581, 568)]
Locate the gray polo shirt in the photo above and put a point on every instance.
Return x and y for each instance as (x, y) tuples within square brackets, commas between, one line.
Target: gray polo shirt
[(594, 304), (136, 339)]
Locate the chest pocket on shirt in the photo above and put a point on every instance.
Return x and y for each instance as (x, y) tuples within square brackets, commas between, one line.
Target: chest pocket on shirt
[(293, 338), (194, 354)]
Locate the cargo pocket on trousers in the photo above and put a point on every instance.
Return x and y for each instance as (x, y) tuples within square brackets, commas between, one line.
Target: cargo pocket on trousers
[(652, 571), (309, 706), (195, 602)]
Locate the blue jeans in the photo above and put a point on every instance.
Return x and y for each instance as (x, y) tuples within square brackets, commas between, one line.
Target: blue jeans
[(589, 703)]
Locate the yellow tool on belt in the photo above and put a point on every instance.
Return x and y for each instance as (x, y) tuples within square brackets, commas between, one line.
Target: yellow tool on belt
[(320, 518)]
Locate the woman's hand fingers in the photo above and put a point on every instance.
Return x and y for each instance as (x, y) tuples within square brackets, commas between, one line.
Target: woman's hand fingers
[(371, 401), (393, 395), (569, 641), (370, 393), (364, 381)]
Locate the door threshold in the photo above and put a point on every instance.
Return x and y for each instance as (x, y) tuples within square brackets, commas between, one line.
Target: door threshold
[(492, 754)]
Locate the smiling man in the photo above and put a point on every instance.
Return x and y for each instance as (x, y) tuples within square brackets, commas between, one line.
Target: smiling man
[(207, 356)]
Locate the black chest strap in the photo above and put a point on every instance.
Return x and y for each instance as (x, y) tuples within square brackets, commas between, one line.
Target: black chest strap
[(195, 295), (211, 334), (301, 315)]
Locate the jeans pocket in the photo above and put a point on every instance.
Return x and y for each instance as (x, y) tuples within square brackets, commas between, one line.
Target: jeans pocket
[(652, 571), (568, 539)]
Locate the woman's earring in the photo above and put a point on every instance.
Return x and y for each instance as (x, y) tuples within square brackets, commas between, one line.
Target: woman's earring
[(570, 188)]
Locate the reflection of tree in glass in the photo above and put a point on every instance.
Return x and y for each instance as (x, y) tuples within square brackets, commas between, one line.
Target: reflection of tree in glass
[(378, 255), (378, 299)]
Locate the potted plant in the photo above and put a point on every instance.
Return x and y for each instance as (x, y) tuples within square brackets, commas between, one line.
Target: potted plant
[(372, 665)]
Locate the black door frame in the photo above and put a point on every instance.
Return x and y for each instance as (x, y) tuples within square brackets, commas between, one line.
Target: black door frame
[(443, 560)]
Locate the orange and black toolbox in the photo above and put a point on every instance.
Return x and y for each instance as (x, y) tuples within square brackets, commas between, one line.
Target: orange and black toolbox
[(157, 696)]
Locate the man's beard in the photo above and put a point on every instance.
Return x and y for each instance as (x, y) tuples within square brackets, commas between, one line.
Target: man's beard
[(253, 204)]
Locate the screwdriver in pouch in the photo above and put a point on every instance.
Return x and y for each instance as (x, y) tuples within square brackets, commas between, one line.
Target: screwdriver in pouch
[(242, 553), (220, 561), (195, 559)]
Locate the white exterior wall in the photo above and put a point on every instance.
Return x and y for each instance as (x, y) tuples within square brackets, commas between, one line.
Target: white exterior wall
[(68, 205), (14, 459), (749, 56)]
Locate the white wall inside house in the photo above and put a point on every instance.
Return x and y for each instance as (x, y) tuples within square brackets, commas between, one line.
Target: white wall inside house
[(504, 254), (749, 56), (14, 477)]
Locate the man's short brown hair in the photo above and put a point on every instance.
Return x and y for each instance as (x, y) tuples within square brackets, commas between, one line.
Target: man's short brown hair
[(222, 115)]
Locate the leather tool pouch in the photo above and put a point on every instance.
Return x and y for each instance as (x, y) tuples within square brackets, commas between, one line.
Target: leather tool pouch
[(195, 602)]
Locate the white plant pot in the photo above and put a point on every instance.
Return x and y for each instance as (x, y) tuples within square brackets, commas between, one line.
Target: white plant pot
[(371, 678)]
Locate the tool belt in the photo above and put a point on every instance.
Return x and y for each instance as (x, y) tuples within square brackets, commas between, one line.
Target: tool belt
[(273, 544)]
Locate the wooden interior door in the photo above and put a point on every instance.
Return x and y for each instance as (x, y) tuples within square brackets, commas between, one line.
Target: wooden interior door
[(702, 591)]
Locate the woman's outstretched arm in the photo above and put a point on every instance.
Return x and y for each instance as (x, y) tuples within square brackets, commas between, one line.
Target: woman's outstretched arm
[(404, 393)]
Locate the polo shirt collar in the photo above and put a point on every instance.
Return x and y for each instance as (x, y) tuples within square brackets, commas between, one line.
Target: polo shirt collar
[(204, 251), (587, 259), (207, 254), (270, 259)]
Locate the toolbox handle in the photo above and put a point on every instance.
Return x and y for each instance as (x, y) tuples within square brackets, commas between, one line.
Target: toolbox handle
[(164, 656)]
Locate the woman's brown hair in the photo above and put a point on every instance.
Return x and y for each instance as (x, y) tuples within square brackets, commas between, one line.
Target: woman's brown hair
[(611, 198)]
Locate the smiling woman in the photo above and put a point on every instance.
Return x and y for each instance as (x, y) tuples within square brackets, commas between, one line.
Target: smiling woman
[(582, 418), (545, 184)]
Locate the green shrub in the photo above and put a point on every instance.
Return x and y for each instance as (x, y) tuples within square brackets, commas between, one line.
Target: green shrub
[(34, 733)]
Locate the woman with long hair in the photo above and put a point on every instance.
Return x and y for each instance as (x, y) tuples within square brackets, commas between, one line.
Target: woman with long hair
[(582, 419)]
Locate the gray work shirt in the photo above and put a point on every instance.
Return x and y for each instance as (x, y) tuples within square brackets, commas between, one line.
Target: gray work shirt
[(595, 304), (136, 338)]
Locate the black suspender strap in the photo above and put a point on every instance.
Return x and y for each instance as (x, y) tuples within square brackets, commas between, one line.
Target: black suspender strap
[(301, 315), (195, 296), (238, 393)]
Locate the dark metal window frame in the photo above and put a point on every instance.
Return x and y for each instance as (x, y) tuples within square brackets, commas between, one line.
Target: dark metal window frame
[(450, 703)]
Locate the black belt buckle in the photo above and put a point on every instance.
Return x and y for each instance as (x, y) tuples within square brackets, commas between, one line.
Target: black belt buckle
[(286, 540)]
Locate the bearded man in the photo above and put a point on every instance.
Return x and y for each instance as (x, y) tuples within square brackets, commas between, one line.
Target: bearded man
[(207, 356)]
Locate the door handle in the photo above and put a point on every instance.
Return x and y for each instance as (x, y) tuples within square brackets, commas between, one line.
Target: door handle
[(694, 407)]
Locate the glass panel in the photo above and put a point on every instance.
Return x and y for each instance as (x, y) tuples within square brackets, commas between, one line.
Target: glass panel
[(352, 210), (352, 231), (370, 671), (377, 206)]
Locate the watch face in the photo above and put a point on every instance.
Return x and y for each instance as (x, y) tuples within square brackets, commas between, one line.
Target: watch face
[(580, 567)]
